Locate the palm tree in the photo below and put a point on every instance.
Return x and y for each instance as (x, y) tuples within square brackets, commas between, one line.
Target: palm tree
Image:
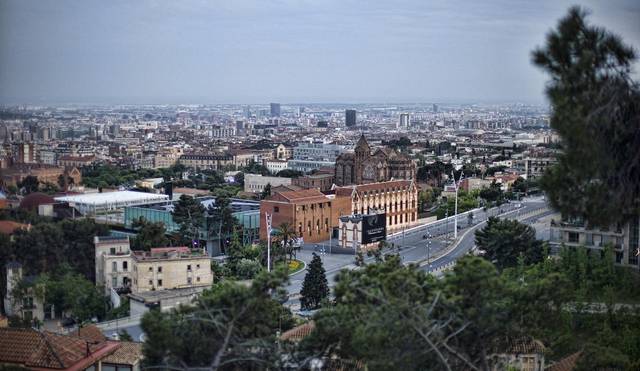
[(286, 234)]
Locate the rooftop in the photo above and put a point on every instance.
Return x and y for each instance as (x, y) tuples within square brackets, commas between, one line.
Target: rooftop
[(35, 349), (164, 253), (108, 198), (305, 195), (155, 296)]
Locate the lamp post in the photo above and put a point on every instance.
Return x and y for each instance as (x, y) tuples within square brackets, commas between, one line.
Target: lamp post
[(428, 252), (446, 221), (455, 212)]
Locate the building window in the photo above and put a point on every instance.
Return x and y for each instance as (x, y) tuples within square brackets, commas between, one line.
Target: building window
[(159, 269), (114, 282), (276, 209), (159, 283), (150, 282), (189, 280), (150, 269), (114, 266), (197, 279), (112, 251), (188, 267), (125, 266), (573, 237), (197, 266)]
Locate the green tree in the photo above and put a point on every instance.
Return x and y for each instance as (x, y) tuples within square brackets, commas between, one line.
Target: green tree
[(123, 335), (493, 193), (478, 297), (246, 269), (595, 357), (520, 185), (595, 111), (390, 316), (286, 234), (149, 235), (230, 327), (466, 202), (505, 240), (266, 192), (239, 179), (29, 184), (74, 293), (220, 220), (315, 287), (289, 173), (188, 213)]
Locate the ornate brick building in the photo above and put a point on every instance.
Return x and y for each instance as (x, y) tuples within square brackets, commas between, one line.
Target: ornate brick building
[(363, 167), (397, 198)]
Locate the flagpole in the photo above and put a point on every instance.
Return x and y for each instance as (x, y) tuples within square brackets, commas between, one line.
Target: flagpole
[(268, 220)]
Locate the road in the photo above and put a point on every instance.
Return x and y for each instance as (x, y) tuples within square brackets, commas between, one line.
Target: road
[(410, 244)]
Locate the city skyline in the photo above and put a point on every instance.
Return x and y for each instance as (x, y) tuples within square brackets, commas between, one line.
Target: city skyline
[(250, 52)]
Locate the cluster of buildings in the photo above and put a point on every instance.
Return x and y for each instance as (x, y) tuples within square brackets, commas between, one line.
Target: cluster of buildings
[(162, 277)]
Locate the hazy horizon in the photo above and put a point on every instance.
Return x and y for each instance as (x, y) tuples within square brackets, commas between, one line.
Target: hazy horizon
[(305, 52)]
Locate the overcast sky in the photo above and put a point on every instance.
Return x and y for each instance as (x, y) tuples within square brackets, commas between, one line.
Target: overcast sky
[(260, 51)]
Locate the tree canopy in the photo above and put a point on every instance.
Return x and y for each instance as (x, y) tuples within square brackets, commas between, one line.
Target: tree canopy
[(315, 287), (596, 113), (231, 327), (504, 241)]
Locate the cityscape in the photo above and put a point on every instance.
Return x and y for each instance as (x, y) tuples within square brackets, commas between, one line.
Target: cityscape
[(404, 228)]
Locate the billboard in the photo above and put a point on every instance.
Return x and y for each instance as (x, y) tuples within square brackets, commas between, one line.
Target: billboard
[(374, 228)]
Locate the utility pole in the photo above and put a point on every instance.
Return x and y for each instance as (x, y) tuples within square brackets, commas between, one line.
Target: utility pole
[(446, 220), (268, 222), (455, 213), (428, 252)]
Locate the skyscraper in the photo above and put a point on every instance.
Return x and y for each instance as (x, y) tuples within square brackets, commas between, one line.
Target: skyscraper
[(435, 108), (275, 109), (404, 120), (350, 118)]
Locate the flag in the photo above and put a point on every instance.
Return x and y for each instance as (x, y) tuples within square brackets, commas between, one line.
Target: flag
[(268, 220)]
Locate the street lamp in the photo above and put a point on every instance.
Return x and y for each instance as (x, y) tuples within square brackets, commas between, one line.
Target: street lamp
[(428, 252), (446, 222), (455, 213)]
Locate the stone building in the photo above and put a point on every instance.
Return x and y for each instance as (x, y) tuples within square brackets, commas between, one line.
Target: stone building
[(44, 173), (323, 182), (168, 268), (362, 166)]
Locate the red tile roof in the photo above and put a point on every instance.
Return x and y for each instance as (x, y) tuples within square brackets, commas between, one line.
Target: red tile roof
[(90, 333), (299, 332), (47, 350), (9, 227), (304, 195), (382, 186), (566, 364), (129, 353)]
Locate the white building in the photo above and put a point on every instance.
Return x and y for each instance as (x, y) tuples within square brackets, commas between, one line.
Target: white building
[(113, 263), (98, 203), (255, 182), (275, 166)]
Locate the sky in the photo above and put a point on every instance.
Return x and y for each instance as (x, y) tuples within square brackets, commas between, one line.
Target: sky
[(289, 51)]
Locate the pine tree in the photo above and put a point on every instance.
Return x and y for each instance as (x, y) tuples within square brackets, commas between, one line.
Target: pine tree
[(315, 287), (595, 111)]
